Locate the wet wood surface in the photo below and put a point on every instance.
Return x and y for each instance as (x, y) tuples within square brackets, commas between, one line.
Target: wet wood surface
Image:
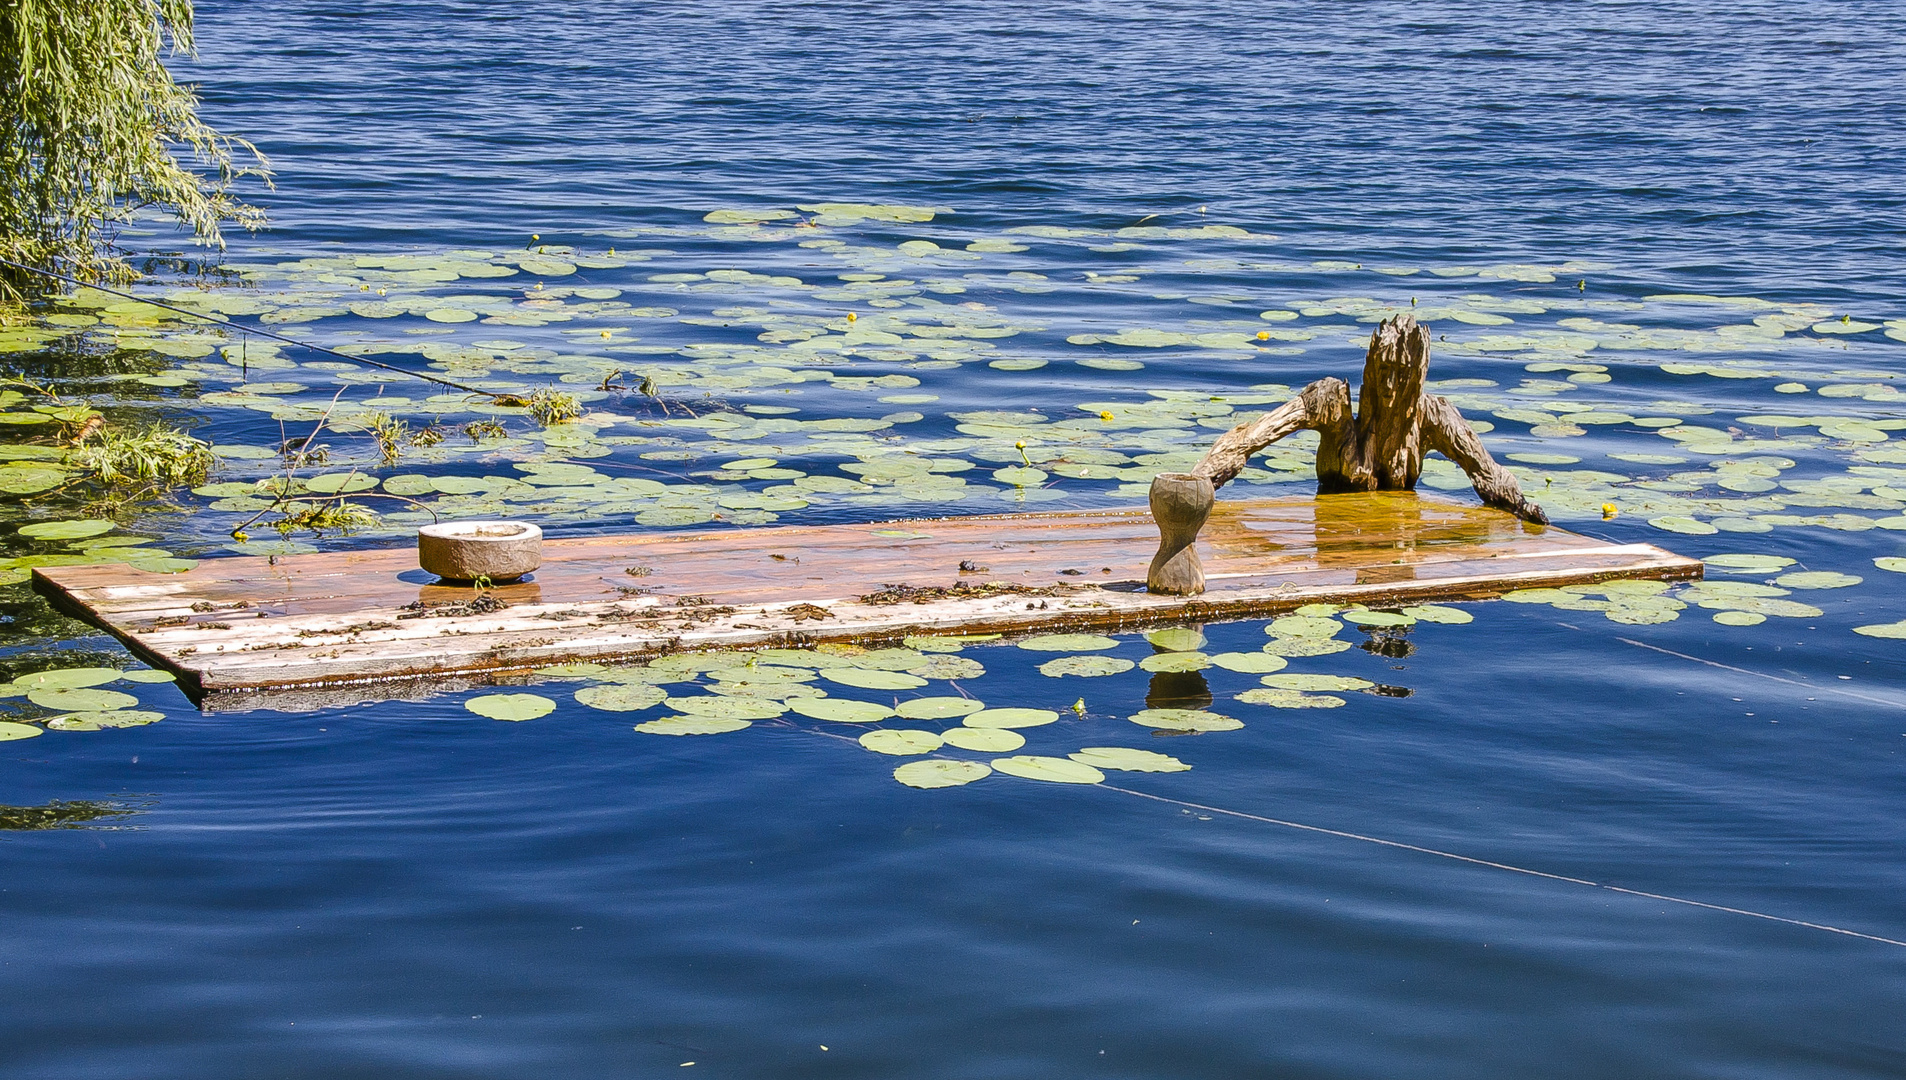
[(246, 623)]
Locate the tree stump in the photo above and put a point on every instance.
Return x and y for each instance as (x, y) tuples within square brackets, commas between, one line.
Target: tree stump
[(1379, 448)]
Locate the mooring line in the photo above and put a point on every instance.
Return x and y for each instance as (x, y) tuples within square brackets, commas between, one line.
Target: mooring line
[(1501, 866), (1763, 675), (243, 329)]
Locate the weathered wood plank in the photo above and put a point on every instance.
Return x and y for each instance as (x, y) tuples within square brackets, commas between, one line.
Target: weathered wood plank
[(340, 618)]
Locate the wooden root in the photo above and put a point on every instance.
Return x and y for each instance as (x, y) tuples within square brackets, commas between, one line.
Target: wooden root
[(1379, 447)]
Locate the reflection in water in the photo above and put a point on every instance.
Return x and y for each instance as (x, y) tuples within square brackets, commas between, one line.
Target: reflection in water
[(62, 814), (1178, 690), (1391, 641)]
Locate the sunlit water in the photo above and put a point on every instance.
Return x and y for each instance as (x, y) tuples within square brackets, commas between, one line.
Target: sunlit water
[(1658, 247)]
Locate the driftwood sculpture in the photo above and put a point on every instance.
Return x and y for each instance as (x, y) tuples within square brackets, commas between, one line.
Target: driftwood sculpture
[(1380, 448)]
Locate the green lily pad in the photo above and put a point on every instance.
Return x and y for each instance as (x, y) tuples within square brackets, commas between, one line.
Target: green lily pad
[(983, 740), (1895, 564), (1677, 523), (572, 670), (28, 480), (149, 675), (1739, 618), (81, 700), (900, 742), (1175, 661), (100, 721), (842, 710), (1817, 579), (1305, 646), (340, 482), (692, 725), (1050, 769), (1010, 718), (1378, 618), (621, 697), (727, 708), (1305, 626), (71, 529), (1068, 643), (949, 668), (936, 774), (1289, 699), (511, 706), (1128, 760), (68, 678), (1185, 720), (9, 731), (1177, 639), (1019, 476), (1437, 613), (873, 679), (1257, 663), (1297, 680), (1085, 666), (1748, 561), (938, 708)]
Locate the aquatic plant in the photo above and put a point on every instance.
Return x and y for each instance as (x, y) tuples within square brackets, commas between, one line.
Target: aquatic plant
[(551, 407), (89, 119), (391, 435), (157, 455)]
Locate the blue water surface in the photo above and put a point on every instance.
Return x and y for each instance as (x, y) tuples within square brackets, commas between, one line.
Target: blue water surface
[(401, 889)]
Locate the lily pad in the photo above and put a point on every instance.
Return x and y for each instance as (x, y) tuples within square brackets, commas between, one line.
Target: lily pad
[(72, 529), (1739, 618), (10, 731), (1817, 579), (1289, 699), (901, 742), (1437, 613), (1678, 523), (1378, 618), (842, 710), (1128, 760), (938, 708), (936, 774), (1296, 680), (1304, 626), (727, 708), (1068, 643), (983, 740), (149, 675), (81, 700), (100, 721), (1748, 561), (692, 725), (873, 679), (621, 697), (949, 668), (1050, 769), (1257, 663), (511, 706), (1010, 718), (1305, 646), (68, 678), (1175, 662), (1185, 720), (1177, 639), (1085, 666)]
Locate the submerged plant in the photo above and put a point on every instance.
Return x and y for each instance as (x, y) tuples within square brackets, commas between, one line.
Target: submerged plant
[(89, 123)]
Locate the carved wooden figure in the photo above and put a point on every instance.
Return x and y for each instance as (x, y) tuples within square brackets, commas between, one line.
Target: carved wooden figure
[(1379, 448)]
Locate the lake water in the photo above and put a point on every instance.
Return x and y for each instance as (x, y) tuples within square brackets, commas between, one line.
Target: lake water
[(1659, 247)]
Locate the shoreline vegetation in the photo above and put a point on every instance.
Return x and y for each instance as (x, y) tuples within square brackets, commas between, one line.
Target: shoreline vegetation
[(94, 130)]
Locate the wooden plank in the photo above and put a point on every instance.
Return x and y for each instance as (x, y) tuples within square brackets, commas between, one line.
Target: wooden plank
[(340, 618)]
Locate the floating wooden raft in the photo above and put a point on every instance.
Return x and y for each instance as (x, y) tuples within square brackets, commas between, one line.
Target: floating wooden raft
[(352, 617)]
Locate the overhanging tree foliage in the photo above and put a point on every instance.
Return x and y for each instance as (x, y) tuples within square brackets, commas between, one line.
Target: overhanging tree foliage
[(93, 128)]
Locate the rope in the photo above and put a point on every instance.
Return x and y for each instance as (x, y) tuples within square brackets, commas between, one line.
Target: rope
[(1503, 866), (243, 329)]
